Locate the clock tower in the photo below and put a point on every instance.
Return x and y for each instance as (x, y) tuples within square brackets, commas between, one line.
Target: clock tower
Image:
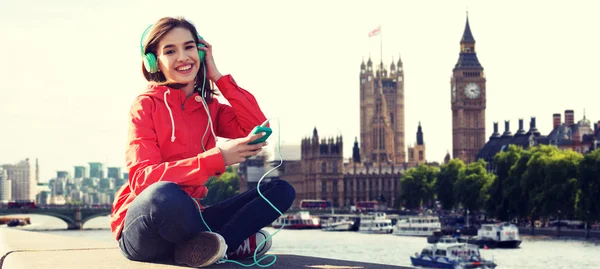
[(468, 98)]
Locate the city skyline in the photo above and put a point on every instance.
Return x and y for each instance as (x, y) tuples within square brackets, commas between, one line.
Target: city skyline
[(536, 65)]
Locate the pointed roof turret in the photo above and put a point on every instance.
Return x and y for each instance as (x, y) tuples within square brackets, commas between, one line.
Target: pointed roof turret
[(369, 62), (467, 35), (419, 135), (356, 151), (393, 66), (468, 57), (399, 61), (362, 65), (315, 132)]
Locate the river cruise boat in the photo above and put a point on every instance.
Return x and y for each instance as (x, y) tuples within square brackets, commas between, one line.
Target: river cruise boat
[(375, 223), (502, 235), (337, 223), (300, 220), (418, 226), (451, 256)]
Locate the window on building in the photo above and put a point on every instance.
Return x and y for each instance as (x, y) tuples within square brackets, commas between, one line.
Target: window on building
[(323, 167)]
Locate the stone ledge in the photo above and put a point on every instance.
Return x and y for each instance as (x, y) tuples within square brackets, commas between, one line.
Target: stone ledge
[(23, 249)]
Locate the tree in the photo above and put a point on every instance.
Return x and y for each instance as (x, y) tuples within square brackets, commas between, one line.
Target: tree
[(503, 187), (587, 202), (447, 177), (469, 189), (417, 186), (549, 181), (223, 187), (560, 183)]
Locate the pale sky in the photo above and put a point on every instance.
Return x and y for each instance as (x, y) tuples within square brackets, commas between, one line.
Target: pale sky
[(70, 69)]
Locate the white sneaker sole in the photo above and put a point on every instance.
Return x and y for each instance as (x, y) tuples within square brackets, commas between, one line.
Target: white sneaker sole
[(266, 246), (203, 250)]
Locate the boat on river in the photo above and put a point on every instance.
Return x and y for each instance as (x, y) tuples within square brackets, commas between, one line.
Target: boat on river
[(451, 255)]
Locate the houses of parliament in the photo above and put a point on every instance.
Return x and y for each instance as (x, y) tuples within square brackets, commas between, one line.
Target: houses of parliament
[(381, 155)]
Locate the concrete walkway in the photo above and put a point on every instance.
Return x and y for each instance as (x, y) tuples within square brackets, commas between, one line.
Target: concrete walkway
[(24, 249)]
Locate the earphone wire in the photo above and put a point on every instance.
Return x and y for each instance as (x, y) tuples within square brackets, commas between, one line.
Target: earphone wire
[(210, 123)]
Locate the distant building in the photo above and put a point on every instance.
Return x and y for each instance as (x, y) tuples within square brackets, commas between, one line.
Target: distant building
[(468, 101), (23, 176), (114, 172), (96, 170), (5, 187), (80, 172), (416, 153), (250, 172), (579, 137)]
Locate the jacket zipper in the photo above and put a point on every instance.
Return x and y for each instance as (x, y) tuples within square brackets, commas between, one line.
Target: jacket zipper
[(183, 104)]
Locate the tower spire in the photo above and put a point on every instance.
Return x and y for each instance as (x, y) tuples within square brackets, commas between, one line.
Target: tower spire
[(467, 35), (420, 135)]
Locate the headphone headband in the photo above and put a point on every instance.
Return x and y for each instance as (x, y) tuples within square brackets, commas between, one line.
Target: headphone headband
[(142, 39)]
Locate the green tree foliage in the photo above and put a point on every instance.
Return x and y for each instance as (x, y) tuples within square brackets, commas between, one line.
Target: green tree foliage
[(446, 179), (538, 182), (550, 181), (471, 188), (517, 191), (503, 186), (588, 194), (417, 186), (560, 184), (223, 187)]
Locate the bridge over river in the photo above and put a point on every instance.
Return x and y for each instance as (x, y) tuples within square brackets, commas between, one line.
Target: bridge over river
[(74, 216)]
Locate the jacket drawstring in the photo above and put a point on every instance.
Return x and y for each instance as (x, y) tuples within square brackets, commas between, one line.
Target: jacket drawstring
[(170, 114)]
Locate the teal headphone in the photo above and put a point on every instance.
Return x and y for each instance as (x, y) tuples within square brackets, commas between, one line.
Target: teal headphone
[(150, 62)]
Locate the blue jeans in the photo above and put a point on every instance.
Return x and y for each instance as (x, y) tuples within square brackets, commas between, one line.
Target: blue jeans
[(164, 215)]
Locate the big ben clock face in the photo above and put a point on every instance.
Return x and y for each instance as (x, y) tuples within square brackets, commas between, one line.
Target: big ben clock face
[(472, 91)]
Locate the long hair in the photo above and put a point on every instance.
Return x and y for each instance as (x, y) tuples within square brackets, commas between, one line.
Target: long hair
[(155, 35)]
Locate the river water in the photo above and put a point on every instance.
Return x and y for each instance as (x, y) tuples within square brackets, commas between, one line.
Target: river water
[(534, 253)]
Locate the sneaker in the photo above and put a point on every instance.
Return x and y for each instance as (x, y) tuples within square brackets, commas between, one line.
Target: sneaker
[(247, 248), (203, 250)]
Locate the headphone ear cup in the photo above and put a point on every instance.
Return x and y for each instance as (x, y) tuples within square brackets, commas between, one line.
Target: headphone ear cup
[(150, 63)]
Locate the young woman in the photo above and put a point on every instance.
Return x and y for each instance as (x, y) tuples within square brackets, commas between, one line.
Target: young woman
[(172, 153)]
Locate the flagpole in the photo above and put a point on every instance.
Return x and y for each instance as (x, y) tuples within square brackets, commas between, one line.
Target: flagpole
[(380, 43)]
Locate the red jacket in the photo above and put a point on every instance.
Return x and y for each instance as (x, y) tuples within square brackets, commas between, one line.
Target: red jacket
[(164, 144)]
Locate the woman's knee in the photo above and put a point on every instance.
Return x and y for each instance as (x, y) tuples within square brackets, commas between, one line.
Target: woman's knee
[(167, 197), (284, 191)]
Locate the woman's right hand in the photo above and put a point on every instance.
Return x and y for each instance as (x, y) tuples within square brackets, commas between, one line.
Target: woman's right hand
[(237, 150)]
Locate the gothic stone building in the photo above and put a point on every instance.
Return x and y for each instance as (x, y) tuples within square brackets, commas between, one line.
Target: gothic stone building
[(327, 177), (374, 171)]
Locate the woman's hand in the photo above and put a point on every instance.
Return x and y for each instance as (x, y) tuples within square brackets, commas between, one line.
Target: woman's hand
[(211, 68), (237, 150)]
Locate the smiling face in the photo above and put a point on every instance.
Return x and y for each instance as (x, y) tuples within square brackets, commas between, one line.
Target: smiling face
[(177, 55)]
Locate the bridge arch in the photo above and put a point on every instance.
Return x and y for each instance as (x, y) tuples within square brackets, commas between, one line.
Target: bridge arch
[(74, 217)]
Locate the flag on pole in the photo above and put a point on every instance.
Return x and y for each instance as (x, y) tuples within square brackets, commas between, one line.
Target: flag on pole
[(375, 31)]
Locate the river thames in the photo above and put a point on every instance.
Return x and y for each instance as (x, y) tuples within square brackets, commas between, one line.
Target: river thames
[(534, 253)]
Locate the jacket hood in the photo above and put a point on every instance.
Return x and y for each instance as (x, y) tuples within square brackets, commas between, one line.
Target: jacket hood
[(158, 91)]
